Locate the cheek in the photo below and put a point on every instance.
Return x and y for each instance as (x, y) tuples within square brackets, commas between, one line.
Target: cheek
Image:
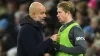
[(60, 15), (40, 16)]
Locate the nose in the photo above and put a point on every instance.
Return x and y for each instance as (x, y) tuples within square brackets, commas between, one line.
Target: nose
[(44, 15), (57, 15)]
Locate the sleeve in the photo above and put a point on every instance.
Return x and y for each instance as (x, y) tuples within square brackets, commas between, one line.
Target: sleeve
[(80, 44), (29, 41)]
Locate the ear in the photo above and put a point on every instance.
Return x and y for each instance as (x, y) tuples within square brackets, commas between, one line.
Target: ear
[(33, 14), (68, 12)]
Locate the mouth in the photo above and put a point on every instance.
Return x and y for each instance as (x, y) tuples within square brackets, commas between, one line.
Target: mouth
[(58, 18), (43, 22)]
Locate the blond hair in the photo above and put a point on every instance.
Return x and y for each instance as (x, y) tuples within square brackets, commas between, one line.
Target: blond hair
[(67, 6)]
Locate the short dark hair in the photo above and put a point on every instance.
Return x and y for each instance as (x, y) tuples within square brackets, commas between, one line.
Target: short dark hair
[(67, 6)]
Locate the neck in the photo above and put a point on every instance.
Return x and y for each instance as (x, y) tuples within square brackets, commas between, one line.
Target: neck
[(32, 17), (69, 19)]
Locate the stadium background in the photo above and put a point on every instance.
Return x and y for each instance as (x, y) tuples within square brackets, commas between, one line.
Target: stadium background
[(87, 14)]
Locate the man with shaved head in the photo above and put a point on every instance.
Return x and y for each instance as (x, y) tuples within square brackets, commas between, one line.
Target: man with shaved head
[(37, 11), (30, 37)]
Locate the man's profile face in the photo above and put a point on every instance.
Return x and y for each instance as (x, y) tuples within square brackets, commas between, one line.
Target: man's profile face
[(61, 15), (41, 14)]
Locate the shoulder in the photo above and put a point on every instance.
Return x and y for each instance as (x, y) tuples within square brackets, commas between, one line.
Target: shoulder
[(76, 28), (77, 31), (27, 31), (27, 27)]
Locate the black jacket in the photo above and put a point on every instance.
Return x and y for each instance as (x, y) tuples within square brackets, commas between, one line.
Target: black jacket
[(30, 38)]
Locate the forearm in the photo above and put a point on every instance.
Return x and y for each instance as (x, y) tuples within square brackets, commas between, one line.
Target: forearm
[(72, 50), (43, 47)]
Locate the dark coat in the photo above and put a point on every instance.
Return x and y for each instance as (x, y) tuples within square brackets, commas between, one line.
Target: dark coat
[(30, 38)]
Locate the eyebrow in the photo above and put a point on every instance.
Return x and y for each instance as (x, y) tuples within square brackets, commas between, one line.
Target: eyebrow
[(58, 11), (42, 12)]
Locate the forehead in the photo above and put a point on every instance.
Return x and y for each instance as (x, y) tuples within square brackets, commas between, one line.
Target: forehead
[(42, 9), (59, 9)]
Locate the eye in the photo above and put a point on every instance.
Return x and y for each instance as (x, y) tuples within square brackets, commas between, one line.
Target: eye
[(42, 13), (59, 12)]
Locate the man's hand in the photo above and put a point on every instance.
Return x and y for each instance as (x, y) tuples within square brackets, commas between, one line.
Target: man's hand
[(47, 54), (54, 37)]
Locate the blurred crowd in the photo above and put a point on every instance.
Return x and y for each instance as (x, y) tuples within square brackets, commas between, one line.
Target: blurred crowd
[(87, 14)]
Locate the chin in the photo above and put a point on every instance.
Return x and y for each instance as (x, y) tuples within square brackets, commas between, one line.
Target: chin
[(42, 22), (60, 21)]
